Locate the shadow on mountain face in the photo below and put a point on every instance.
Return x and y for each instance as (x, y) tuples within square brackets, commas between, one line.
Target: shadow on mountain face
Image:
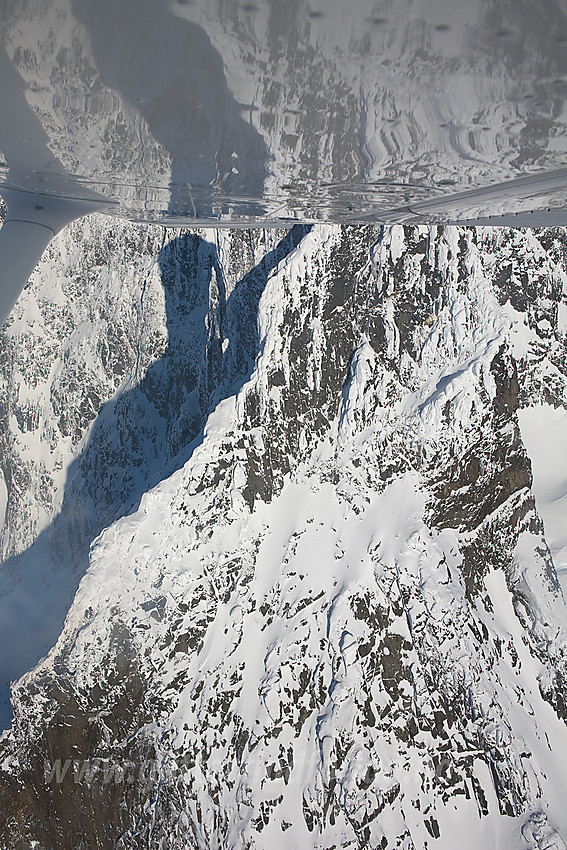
[(138, 438)]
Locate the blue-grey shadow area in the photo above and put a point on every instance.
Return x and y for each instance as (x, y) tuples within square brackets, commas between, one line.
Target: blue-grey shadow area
[(138, 437), (168, 70)]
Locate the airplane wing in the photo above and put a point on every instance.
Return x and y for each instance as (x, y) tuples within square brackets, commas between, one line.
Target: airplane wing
[(198, 112)]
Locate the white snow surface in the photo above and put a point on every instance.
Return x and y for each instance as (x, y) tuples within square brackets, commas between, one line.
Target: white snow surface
[(544, 432)]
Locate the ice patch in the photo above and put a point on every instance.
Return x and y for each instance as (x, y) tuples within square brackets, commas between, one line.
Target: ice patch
[(544, 432)]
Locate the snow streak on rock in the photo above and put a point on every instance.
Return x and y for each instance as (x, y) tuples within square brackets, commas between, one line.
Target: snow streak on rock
[(318, 608)]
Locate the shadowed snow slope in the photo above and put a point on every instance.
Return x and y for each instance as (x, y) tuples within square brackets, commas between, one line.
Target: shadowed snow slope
[(136, 436)]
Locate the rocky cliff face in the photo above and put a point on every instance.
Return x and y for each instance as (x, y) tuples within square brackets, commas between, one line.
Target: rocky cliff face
[(315, 604)]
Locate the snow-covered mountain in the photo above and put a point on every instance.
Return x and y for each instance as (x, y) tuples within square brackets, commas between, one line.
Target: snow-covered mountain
[(270, 523)]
